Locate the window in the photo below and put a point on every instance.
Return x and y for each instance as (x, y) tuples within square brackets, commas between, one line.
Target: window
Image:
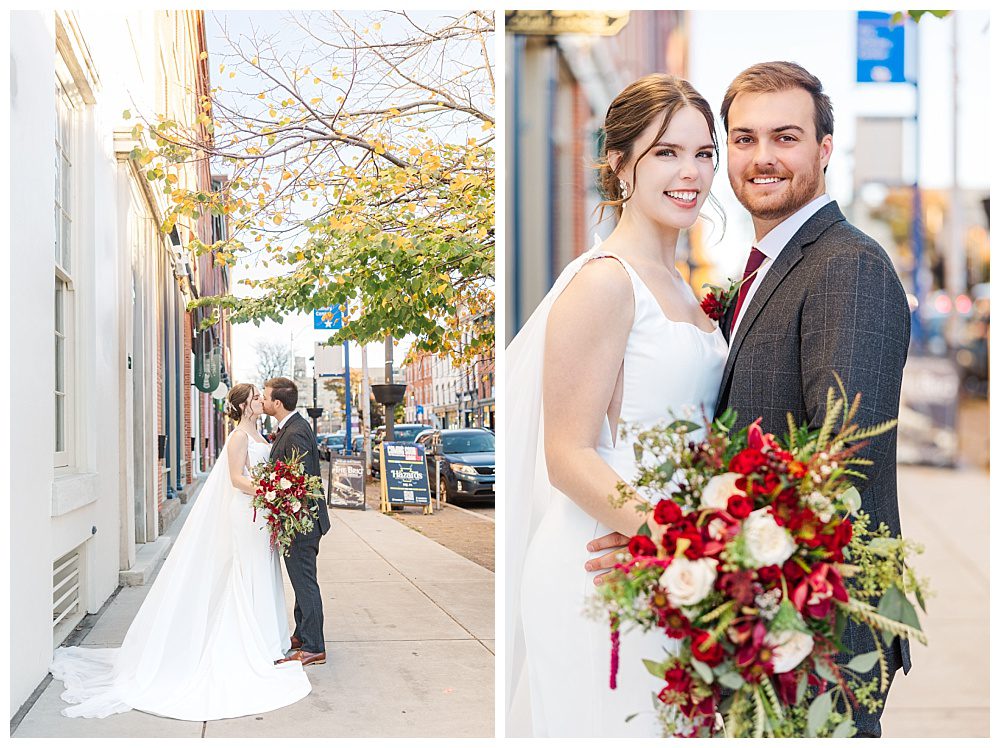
[(63, 263)]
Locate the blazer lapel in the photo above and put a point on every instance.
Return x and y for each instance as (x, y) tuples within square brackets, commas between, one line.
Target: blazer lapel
[(788, 258), (281, 436)]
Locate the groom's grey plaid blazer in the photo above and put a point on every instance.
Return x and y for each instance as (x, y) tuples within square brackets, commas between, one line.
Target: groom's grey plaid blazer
[(831, 302)]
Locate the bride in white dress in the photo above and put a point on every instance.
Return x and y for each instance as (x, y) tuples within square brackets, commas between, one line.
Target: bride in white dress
[(619, 336), (204, 643)]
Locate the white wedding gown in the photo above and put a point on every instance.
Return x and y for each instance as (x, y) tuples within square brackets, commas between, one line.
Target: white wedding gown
[(669, 367), (204, 641)]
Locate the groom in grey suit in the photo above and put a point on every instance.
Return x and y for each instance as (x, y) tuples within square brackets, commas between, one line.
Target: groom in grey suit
[(819, 297)]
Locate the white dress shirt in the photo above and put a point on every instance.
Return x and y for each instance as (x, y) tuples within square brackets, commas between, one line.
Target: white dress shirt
[(285, 420), (773, 242)]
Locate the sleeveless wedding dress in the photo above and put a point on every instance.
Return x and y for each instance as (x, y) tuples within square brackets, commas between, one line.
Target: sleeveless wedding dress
[(670, 369), (204, 641)]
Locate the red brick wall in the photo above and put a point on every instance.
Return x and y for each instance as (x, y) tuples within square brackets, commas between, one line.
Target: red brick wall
[(188, 433), (160, 475)]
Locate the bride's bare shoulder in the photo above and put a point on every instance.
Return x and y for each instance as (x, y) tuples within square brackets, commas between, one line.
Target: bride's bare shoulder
[(603, 278)]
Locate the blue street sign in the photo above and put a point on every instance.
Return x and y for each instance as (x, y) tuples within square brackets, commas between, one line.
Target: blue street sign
[(420, 410), (881, 57), (334, 318)]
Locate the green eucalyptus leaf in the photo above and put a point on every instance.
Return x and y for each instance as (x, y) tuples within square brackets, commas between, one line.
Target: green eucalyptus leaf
[(656, 669), (732, 680), (863, 663), (703, 670), (819, 713), (844, 730)]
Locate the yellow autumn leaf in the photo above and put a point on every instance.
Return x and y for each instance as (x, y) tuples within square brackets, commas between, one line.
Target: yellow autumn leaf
[(286, 175), (316, 100), (272, 112), (277, 219), (253, 61), (317, 81), (232, 74)]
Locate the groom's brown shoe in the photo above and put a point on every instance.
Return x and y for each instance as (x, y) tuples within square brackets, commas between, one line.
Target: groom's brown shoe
[(296, 644), (306, 658)]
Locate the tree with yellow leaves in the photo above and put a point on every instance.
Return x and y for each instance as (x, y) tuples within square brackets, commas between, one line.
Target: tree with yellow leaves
[(361, 167)]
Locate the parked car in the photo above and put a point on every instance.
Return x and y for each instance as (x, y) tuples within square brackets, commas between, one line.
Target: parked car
[(331, 443), (357, 445), (401, 432), (468, 463)]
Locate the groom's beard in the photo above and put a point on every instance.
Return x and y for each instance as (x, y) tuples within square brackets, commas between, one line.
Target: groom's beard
[(800, 189)]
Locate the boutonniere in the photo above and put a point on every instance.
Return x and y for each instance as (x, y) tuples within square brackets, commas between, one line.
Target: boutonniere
[(718, 300), (271, 437)]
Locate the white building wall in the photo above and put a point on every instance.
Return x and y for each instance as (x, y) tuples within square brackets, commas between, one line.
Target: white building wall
[(54, 510)]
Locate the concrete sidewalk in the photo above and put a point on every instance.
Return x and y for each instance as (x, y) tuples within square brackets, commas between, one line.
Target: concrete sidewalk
[(410, 653), (947, 691)]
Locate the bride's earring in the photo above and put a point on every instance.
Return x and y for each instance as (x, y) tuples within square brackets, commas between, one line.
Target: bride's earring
[(623, 187)]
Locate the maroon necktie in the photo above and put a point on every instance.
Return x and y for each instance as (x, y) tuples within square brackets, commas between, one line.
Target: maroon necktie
[(753, 262)]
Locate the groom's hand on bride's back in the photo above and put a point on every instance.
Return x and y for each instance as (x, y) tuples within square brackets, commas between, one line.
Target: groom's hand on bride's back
[(615, 543)]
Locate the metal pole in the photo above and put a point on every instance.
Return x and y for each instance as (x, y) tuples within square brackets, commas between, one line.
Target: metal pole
[(314, 393), (955, 276), (365, 408), (916, 227), (389, 433), (347, 396)]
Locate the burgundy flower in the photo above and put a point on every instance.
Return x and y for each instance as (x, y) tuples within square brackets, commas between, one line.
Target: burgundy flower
[(769, 575), (747, 461), (788, 686), (641, 545), (712, 306), (738, 585), (814, 595), (678, 679), (740, 506), (711, 656), (667, 512), (757, 439)]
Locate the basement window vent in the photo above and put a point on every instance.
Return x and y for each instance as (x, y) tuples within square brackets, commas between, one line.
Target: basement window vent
[(67, 606)]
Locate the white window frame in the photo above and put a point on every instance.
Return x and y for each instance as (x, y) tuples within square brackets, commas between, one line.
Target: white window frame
[(65, 208)]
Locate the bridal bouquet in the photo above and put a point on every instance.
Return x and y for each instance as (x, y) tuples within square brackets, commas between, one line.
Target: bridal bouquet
[(286, 494), (763, 557)]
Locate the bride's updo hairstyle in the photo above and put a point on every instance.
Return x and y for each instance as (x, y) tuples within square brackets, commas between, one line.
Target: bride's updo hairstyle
[(652, 97), (238, 396)]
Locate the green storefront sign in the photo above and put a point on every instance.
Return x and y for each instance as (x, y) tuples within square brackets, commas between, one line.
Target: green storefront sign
[(208, 369)]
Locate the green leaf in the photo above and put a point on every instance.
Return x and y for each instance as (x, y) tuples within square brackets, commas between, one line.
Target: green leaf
[(819, 713), (703, 670), (883, 546), (920, 599), (732, 680), (688, 425), (667, 470), (787, 618), (844, 730), (644, 530), (863, 663), (800, 690), (656, 669), (894, 605), (823, 671), (126, 114), (631, 717), (637, 451)]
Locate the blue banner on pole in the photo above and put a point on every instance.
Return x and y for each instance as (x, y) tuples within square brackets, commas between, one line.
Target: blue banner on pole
[(328, 318), (881, 48)]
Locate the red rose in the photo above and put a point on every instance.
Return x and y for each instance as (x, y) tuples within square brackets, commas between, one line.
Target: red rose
[(740, 506), (678, 679), (696, 545), (711, 655), (641, 545), (747, 461), (792, 571), (769, 575), (713, 308), (667, 512), (788, 686)]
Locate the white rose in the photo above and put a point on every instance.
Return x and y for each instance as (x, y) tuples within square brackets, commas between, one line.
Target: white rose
[(284, 484), (790, 648), (766, 541), (687, 582), (270, 495), (274, 475), (716, 494), (296, 506)]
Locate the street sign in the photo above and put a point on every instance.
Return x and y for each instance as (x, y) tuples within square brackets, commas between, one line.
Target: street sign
[(346, 484), (553, 22), (207, 368), (328, 359), (404, 476), (928, 411), (881, 57), (328, 318)]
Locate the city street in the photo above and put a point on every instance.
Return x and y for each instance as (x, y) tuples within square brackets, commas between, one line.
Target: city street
[(410, 642)]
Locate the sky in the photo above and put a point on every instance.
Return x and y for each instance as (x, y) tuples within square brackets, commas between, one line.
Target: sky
[(724, 43), (297, 330)]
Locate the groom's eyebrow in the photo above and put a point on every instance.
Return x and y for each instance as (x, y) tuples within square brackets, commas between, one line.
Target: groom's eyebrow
[(772, 131)]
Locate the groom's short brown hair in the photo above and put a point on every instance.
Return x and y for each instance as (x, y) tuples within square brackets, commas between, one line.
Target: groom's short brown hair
[(770, 77), (284, 391)]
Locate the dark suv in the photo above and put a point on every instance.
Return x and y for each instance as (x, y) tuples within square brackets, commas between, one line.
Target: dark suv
[(468, 464)]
